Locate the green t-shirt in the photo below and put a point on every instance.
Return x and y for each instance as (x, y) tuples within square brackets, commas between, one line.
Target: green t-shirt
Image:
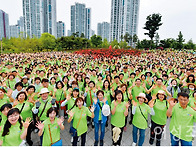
[(70, 103), (82, 126), (107, 94), (136, 91), (4, 100), (155, 90), (118, 119), (54, 129), (13, 138), (181, 124), (160, 108), (138, 120), (26, 111), (3, 120), (59, 95), (89, 97), (11, 84), (48, 106)]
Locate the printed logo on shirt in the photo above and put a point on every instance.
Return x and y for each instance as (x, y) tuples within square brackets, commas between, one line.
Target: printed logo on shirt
[(56, 127), (189, 114), (19, 131), (83, 114)]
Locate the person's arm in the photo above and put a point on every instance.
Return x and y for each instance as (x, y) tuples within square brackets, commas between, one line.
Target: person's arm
[(134, 109), (152, 111), (1, 142), (60, 123), (114, 109), (171, 105), (25, 125), (127, 107)]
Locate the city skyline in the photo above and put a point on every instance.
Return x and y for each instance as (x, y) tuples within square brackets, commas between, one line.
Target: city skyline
[(178, 15)]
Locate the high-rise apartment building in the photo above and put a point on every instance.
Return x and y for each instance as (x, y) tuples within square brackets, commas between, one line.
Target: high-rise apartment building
[(39, 17), (60, 29), (124, 18), (81, 20), (4, 25), (103, 30)]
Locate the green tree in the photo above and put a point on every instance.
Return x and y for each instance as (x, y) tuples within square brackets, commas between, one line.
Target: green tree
[(48, 41), (96, 40), (135, 40), (190, 45), (123, 44), (180, 41), (153, 22), (105, 43)]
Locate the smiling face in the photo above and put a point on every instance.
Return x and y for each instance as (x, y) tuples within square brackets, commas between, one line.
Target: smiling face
[(141, 100), (13, 119), (161, 96), (52, 115), (44, 96), (21, 97), (100, 96), (1, 94), (31, 90), (183, 101), (79, 104), (5, 111), (59, 85), (119, 97)]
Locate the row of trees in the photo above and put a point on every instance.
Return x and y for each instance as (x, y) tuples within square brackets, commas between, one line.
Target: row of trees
[(47, 42)]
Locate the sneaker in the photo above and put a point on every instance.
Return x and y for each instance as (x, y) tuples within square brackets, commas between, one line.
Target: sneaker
[(125, 129), (101, 142), (158, 143), (96, 143), (151, 141), (71, 139), (133, 144)]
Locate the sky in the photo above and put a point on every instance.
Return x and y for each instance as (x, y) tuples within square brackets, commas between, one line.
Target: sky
[(177, 15)]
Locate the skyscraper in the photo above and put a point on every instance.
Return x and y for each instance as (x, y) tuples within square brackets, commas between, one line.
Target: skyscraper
[(60, 29), (39, 17), (4, 25), (14, 31), (49, 15), (81, 20), (20, 23), (124, 18), (33, 21), (103, 30)]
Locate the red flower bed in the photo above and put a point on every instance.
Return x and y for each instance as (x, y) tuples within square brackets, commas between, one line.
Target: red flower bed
[(109, 53)]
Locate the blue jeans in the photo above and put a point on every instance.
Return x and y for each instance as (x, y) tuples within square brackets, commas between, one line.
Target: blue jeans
[(175, 141), (141, 137), (97, 130)]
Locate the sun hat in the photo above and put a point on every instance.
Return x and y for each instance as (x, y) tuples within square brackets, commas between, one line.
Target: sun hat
[(142, 95), (191, 84), (44, 90), (106, 110)]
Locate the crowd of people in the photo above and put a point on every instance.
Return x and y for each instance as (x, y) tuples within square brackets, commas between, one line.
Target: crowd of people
[(40, 91)]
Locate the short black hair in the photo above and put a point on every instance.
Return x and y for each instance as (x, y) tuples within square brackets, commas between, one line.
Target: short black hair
[(183, 94), (45, 80), (50, 110), (29, 87), (118, 92), (5, 106), (22, 92), (18, 84), (100, 91)]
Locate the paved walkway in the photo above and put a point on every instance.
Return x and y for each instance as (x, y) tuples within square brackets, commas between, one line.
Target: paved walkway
[(126, 139)]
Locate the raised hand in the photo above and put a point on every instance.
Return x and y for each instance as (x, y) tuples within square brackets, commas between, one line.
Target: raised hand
[(127, 105), (172, 103), (154, 97), (68, 97), (194, 108), (71, 114), (115, 103), (27, 122), (60, 121), (15, 102), (95, 100), (134, 103), (39, 125), (151, 104), (104, 100)]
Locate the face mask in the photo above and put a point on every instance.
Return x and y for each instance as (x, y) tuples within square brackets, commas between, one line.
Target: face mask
[(191, 88)]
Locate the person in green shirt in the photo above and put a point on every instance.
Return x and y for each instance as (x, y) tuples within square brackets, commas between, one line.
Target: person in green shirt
[(25, 111), (79, 115), (59, 94), (14, 131), (50, 128), (158, 120), (140, 111), (181, 124), (4, 110), (119, 110)]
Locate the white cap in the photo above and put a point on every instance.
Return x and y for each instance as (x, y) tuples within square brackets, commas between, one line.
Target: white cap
[(106, 110), (25, 77), (44, 90)]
